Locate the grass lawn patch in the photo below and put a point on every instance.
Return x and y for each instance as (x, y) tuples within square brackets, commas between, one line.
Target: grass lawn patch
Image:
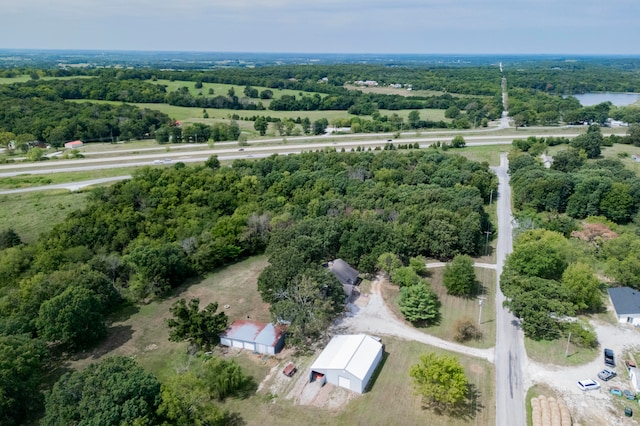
[(390, 400), (142, 331), (27, 181), (454, 308), (480, 153), (553, 352), (33, 213)]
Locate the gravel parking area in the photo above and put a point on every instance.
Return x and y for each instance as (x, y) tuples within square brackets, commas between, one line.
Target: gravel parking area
[(597, 407)]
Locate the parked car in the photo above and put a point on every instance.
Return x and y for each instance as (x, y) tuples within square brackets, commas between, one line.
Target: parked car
[(606, 375), (588, 384), (615, 391), (629, 395), (609, 358)]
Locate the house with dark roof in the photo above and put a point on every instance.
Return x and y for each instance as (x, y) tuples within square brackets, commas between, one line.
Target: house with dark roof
[(347, 275), (626, 302), (258, 337)]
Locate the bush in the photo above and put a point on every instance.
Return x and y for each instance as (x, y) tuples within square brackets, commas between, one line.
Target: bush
[(581, 336), (464, 330)]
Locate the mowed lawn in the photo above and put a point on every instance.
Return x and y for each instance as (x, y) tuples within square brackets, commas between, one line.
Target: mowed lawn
[(390, 400), (142, 331), (454, 308), (33, 213)]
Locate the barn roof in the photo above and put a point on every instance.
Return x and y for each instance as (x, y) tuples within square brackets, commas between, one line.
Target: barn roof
[(257, 332), (626, 301), (344, 272), (354, 353)]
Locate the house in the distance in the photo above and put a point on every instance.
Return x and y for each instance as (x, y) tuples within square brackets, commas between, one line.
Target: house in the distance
[(348, 361), (347, 276), (626, 302), (73, 144), (258, 337)]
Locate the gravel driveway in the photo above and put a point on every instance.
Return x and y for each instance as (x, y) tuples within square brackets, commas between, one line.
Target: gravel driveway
[(375, 318)]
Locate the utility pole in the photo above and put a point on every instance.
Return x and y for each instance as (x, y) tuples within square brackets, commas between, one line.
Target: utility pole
[(486, 244), (480, 314), (566, 351), (491, 197)]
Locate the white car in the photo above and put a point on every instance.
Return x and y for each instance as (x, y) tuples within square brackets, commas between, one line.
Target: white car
[(588, 384)]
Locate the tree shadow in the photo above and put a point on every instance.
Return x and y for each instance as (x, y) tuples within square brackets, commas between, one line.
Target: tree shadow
[(246, 388), (466, 409), (233, 419), (429, 323), (124, 313), (116, 336)]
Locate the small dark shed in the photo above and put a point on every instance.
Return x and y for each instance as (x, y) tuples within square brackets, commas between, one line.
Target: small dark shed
[(347, 275)]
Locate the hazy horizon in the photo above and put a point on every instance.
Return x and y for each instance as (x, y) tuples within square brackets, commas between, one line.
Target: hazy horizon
[(464, 27)]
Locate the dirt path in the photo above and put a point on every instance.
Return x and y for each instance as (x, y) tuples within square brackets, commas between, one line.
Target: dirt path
[(375, 318)]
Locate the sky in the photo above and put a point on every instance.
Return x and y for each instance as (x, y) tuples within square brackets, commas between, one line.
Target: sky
[(326, 26)]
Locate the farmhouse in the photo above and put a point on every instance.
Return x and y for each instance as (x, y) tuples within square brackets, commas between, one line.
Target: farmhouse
[(73, 144), (626, 302), (259, 337), (348, 361), (347, 276)]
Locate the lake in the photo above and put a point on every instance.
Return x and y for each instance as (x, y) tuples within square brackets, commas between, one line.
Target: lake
[(617, 99)]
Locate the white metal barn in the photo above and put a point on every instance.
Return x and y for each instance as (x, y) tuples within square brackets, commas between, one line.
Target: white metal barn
[(348, 361), (256, 336)]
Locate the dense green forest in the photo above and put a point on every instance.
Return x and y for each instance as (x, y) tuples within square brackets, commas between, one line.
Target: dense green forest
[(577, 221), (137, 239), (471, 95)]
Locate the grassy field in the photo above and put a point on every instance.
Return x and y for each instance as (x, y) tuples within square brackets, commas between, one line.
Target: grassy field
[(188, 114), (553, 352), (223, 89), (488, 153), (32, 213), (24, 78), (390, 401), (141, 332), (27, 181), (454, 308), (385, 90)]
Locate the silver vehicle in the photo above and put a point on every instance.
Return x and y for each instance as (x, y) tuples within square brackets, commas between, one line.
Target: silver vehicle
[(588, 384)]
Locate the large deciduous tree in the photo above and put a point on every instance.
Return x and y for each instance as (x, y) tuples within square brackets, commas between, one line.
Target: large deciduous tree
[(590, 142), (22, 361), (116, 391), (583, 287), (74, 318), (440, 381), (200, 328), (459, 276)]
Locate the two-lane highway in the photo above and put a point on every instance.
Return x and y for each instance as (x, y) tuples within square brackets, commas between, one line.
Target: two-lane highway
[(510, 355)]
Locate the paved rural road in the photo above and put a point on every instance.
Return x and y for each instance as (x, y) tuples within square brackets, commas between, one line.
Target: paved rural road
[(510, 355), (477, 265), (72, 186), (188, 156)]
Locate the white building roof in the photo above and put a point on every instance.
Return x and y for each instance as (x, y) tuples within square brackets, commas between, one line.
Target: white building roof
[(354, 353)]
